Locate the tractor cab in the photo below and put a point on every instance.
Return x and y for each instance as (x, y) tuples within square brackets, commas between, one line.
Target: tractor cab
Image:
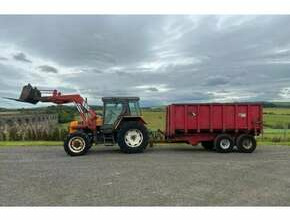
[(116, 108), (122, 123)]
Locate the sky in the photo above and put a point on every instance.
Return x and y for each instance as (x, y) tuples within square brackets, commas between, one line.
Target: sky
[(162, 59)]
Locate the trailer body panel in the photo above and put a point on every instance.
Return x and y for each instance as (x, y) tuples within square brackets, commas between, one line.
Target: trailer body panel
[(197, 122)]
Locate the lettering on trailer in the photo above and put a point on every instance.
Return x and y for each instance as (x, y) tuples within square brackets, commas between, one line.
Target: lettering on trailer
[(242, 115)]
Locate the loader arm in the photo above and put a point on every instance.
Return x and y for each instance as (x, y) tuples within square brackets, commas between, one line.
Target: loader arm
[(87, 114), (33, 95)]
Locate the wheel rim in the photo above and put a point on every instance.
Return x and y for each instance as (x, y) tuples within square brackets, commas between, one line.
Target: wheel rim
[(133, 138), (77, 144), (247, 143), (225, 144)]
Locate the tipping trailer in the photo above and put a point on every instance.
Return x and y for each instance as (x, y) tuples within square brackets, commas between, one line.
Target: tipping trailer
[(218, 126)]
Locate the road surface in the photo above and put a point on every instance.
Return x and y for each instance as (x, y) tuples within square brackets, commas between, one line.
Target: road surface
[(166, 175)]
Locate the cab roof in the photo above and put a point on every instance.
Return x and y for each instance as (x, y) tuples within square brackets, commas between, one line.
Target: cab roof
[(120, 99)]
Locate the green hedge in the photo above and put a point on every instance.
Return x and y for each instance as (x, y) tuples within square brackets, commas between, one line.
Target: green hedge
[(53, 134)]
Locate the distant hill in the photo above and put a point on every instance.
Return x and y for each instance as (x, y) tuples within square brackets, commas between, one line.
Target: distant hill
[(72, 109), (276, 104), (48, 109), (282, 104)]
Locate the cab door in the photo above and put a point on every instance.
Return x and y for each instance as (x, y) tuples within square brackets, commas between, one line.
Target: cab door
[(112, 112)]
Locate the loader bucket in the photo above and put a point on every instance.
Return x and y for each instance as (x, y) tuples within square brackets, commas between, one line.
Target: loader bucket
[(28, 95)]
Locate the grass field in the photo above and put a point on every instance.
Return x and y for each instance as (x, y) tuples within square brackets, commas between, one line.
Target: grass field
[(30, 143), (277, 118), (155, 120), (276, 124)]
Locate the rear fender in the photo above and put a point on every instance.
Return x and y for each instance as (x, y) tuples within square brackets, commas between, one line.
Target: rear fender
[(129, 118)]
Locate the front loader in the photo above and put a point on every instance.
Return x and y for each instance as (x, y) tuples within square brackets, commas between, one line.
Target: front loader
[(121, 122)]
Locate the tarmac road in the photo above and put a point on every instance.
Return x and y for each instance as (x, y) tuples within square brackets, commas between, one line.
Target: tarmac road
[(167, 175)]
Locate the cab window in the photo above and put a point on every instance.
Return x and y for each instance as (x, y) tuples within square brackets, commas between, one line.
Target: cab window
[(112, 112), (134, 108)]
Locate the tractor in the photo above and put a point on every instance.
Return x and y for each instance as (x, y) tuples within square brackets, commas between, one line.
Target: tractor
[(121, 121)]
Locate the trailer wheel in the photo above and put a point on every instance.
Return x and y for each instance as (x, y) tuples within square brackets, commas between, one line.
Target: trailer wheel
[(208, 145), (77, 144), (246, 143), (132, 137), (224, 143)]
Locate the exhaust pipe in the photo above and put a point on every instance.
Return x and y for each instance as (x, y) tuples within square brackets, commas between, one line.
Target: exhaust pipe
[(29, 95)]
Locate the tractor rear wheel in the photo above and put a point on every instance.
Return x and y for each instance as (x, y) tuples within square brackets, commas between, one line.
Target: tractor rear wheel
[(132, 137), (77, 144)]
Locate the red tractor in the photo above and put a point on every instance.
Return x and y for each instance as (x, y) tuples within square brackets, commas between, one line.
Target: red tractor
[(121, 121)]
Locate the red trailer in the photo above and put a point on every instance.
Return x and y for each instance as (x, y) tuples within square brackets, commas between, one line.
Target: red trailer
[(219, 126)]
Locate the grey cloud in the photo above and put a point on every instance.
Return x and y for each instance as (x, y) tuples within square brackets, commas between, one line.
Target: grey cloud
[(46, 68), (102, 40), (10, 85), (193, 57), (21, 57), (8, 74), (215, 81), (153, 89), (3, 58)]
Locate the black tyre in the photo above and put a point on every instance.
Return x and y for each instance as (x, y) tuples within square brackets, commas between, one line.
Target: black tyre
[(208, 145), (224, 143), (77, 144), (246, 143), (91, 140), (132, 137)]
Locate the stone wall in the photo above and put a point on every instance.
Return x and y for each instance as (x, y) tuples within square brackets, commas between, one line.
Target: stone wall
[(26, 126)]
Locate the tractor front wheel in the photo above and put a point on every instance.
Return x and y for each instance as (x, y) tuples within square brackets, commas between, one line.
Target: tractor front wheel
[(132, 137), (77, 144)]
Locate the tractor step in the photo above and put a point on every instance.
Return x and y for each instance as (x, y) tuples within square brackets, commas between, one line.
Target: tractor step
[(108, 139)]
